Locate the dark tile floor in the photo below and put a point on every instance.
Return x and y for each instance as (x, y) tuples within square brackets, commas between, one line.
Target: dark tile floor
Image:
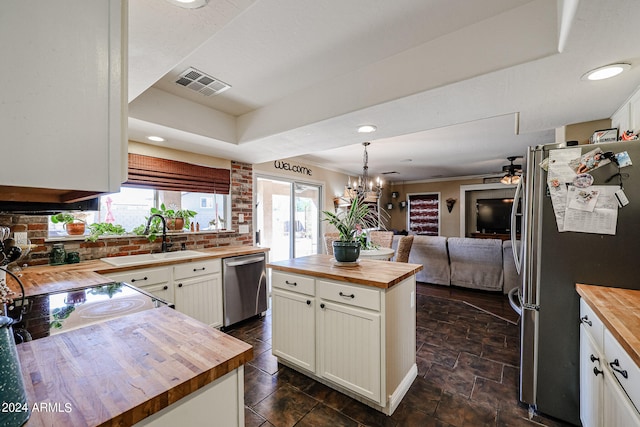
[(467, 356)]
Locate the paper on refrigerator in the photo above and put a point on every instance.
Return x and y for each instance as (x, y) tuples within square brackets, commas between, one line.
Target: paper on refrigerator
[(603, 217), (559, 175)]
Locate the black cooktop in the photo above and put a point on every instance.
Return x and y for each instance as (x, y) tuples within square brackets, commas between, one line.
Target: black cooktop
[(58, 312)]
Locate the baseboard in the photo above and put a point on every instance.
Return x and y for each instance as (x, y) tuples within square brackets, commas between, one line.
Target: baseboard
[(398, 394)]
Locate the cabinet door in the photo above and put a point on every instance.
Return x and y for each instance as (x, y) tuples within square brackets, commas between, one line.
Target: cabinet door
[(201, 298), (152, 280), (293, 324), (164, 291), (348, 342), (64, 113), (618, 411), (591, 378), (634, 113)]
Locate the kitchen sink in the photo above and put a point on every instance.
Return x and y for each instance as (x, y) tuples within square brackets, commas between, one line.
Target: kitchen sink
[(120, 261)]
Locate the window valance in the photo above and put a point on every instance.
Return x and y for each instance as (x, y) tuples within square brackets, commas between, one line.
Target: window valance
[(172, 175)]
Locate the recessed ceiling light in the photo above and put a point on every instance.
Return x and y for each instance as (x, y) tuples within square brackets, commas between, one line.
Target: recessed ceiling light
[(155, 138), (605, 72), (367, 129), (189, 4)]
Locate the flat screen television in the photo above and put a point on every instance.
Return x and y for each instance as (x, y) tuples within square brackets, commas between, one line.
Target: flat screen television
[(494, 216)]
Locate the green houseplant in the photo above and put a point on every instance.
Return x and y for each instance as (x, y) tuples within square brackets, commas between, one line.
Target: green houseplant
[(98, 229), (350, 223), (177, 219), (72, 225)]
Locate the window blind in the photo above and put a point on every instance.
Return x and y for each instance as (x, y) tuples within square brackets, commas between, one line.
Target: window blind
[(172, 175)]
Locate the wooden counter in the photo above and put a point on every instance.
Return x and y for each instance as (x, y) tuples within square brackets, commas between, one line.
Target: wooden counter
[(380, 274), (619, 310), (55, 278), (123, 370), (120, 371)]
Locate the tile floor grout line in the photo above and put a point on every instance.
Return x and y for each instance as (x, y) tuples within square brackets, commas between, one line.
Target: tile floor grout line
[(488, 312)]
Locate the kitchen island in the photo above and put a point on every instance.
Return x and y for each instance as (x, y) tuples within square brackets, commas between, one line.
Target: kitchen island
[(352, 328), (155, 367)]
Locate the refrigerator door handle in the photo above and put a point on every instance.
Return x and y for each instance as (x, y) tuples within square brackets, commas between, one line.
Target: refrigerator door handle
[(517, 255), (514, 300)]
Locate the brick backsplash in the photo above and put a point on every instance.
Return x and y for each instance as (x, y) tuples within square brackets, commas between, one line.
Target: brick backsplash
[(36, 227)]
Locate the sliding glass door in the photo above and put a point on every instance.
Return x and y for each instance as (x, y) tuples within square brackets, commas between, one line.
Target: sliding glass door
[(288, 217)]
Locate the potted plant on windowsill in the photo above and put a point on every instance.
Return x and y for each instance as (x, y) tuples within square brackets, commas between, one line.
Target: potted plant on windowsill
[(98, 229), (177, 219), (350, 224), (185, 215), (72, 225)]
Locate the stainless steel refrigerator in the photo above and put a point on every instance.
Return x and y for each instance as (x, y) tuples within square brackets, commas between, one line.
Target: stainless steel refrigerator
[(552, 262)]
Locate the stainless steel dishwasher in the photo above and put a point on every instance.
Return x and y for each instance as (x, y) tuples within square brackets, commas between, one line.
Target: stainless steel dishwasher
[(244, 287)]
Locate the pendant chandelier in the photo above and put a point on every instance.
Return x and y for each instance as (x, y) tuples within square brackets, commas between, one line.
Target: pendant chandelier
[(364, 187)]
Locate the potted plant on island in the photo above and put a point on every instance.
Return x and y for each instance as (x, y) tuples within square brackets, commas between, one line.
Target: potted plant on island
[(72, 225), (350, 224)]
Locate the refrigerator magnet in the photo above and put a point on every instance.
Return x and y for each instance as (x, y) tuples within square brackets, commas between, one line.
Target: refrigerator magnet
[(621, 198), (623, 159)]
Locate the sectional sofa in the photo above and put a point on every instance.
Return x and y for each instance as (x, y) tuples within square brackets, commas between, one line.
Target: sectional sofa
[(485, 264)]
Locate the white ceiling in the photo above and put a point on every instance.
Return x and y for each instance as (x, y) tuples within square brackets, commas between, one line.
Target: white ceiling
[(453, 86)]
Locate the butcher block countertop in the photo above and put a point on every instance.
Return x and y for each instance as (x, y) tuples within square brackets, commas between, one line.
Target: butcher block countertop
[(619, 310), (117, 372), (43, 279), (379, 274)]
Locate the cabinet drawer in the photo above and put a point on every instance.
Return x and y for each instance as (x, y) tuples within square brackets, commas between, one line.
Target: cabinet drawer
[(350, 294), (629, 378), (592, 323), (197, 268), (293, 282), (142, 277)]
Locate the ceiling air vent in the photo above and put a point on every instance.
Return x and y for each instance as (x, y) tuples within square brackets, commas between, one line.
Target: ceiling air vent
[(390, 173), (201, 82)]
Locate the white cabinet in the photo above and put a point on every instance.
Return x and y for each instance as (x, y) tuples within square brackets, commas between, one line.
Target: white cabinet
[(349, 348), (591, 380), (164, 291), (609, 379), (357, 339), (156, 281), (64, 105), (618, 411), (293, 319), (198, 290), (224, 397), (627, 117), (194, 287), (349, 337)]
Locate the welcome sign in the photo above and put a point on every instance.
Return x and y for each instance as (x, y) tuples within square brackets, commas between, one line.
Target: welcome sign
[(279, 164)]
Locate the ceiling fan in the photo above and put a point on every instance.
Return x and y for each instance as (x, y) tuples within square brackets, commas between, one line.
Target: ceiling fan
[(511, 172)]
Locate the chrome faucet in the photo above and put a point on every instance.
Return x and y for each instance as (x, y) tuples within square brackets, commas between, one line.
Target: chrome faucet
[(165, 245)]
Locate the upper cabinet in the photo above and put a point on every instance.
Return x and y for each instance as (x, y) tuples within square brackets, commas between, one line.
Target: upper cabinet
[(63, 107), (627, 117)]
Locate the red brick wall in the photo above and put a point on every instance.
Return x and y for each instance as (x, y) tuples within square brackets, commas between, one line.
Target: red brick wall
[(241, 202), (242, 199)]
